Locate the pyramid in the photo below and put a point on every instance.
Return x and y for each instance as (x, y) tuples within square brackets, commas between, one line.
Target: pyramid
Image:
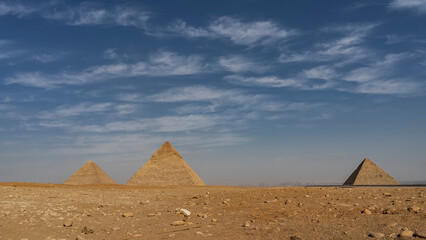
[(166, 167), (90, 173), (368, 173)]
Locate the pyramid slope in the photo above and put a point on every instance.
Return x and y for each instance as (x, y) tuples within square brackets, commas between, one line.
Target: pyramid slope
[(166, 167), (368, 173), (90, 173)]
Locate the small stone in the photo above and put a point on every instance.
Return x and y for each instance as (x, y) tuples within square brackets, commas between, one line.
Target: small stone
[(246, 224), (406, 233), (214, 220), (376, 235), (288, 201), (115, 229), (420, 234), (386, 194), (151, 215), (137, 235), (366, 212), (178, 223), (185, 212), (199, 233), (201, 215), (414, 209), (295, 237), (129, 214), (85, 230), (68, 224)]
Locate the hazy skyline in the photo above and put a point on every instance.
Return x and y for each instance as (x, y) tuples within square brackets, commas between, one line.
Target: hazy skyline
[(248, 92)]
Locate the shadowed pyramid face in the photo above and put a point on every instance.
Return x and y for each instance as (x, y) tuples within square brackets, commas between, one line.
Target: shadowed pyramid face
[(166, 167), (90, 173), (368, 173)]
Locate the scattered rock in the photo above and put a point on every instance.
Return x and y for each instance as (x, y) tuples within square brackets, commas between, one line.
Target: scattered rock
[(406, 233), (151, 215), (366, 212), (246, 224), (86, 230), (376, 235), (295, 237), (288, 201), (137, 235), (201, 215), (129, 214), (178, 223), (214, 220), (386, 194), (68, 224), (185, 212), (414, 209)]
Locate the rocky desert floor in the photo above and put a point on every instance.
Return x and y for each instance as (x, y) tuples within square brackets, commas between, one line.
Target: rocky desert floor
[(49, 211)]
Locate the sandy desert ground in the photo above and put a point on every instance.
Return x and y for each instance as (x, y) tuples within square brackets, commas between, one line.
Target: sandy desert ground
[(47, 211)]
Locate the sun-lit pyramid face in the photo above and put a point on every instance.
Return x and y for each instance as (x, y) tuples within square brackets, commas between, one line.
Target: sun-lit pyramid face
[(166, 167), (90, 173), (368, 173)]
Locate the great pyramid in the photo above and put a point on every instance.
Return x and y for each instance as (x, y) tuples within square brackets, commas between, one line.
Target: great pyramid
[(90, 173), (368, 173), (166, 167)]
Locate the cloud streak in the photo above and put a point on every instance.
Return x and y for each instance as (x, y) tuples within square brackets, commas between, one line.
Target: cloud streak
[(237, 31), (163, 63), (416, 5)]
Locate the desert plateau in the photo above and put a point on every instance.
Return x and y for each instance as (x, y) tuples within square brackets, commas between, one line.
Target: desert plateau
[(56, 211)]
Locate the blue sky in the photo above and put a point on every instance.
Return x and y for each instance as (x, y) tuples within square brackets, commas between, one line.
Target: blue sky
[(249, 92)]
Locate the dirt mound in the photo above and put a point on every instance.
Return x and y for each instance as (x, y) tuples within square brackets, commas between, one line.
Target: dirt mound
[(90, 173), (368, 173), (166, 167)]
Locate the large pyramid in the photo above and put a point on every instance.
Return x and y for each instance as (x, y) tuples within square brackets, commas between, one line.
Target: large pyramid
[(90, 173), (166, 167), (368, 173)]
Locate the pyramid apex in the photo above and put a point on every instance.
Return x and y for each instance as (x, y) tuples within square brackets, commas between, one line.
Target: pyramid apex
[(90, 162)]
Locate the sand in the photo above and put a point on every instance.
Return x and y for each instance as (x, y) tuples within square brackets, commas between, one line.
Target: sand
[(40, 211)]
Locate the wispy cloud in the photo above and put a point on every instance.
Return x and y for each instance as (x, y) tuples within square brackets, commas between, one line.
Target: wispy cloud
[(266, 81), (238, 63), (85, 13), (88, 13), (8, 50), (86, 108), (163, 63), (236, 30), (346, 49), (416, 5), (382, 77), (17, 8)]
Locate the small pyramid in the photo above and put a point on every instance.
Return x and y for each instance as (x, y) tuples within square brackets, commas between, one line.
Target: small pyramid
[(368, 173), (90, 173), (166, 167)]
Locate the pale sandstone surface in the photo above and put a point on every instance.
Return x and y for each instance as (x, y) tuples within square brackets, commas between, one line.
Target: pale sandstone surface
[(46, 211)]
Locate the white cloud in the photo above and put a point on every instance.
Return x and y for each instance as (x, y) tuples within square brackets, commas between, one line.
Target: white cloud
[(322, 72), (418, 5), (110, 53), (161, 124), (16, 8), (7, 50), (237, 64), (346, 49), (193, 93), (161, 64), (265, 81), (85, 108), (95, 14), (239, 32)]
